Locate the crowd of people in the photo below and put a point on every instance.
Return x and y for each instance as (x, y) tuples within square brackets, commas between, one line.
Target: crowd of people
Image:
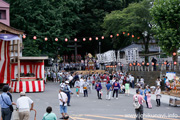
[(114, 83)]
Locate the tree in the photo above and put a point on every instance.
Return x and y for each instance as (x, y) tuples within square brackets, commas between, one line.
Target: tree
[(45, 18), (135, 19), (166, 16)]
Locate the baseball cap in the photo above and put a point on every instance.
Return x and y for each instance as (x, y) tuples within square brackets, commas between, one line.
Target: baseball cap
[(22, 93), (67, 82)]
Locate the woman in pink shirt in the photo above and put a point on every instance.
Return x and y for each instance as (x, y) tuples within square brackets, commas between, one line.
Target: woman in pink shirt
[(139, 111), (149, 99)]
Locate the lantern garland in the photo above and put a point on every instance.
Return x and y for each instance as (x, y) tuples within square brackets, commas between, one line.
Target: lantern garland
[(84, 38)]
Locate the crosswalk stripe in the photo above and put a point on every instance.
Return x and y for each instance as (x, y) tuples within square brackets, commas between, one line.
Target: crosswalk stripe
[(80, 118), (104, 117)]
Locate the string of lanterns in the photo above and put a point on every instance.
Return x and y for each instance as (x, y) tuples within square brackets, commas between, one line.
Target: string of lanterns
[(84, 38)]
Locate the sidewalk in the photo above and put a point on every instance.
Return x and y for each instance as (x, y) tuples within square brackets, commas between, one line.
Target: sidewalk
[(164, 98)]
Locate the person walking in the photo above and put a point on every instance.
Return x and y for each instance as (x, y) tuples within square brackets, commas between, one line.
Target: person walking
[(63, 99), (49, 115), (98, 88), (127, 90), (158, 96), (77, 86), (116, 88), (23, 105), (145, 97), (5, 102), (67, 90), (148, 94), (81, 84), (85, 88), (138, 100), (108, 88)]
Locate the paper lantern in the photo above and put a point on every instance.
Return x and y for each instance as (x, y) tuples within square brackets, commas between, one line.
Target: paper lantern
[(24, 36), (96, 38), (157, 64), (128, 34), (134, 63), (84, 39), (124, 33), (175, 63), (147, 64), (34, 37), (102, 37), (152, 63), (138, 64), (132, 36), (56, 39), (45, 38), (142, 63), (138, 37), (117, 34), (75, 39), (66, 39), (165, 63), (111, 36), (174, 53), (90, 39), (130, 64)]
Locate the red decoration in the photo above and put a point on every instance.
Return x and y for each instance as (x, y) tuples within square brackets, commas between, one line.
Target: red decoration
[(75, 39), (45, 38), (84, 39), (134, 63), (143, 63), (175, 63), (117, 34), (90, 39), (174, 53), (128, 34), (132, 36), (96, 38), (111, 36), (34, 37), (130, 64), (147, 64), (124, 33), (152, 63), (24, 36), (165, 63), (157, 64), (56, 39), (66, 39), (102, 37), (138, 37)]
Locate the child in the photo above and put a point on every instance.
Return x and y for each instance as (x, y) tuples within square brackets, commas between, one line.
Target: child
[(85, 88), (127, 88), (149, 99), (158, 96), (77, 85)]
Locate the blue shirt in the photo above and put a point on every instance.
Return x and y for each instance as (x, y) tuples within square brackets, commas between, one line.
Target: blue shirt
[(165, 80), (145, 97), (108, 86), (6, 99), (141, 92)]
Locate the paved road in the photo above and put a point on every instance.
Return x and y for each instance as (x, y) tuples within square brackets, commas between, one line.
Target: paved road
[(91, 108)]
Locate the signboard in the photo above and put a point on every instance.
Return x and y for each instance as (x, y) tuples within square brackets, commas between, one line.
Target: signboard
[(171, 75)]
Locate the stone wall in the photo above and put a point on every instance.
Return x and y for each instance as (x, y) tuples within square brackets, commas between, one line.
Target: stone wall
[(150, 77)]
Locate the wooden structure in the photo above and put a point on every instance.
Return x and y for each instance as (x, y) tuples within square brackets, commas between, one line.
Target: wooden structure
[(14, 64)]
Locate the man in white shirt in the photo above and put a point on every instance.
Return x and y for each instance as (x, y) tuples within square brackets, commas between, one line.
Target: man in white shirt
[(81, 85), (23, 105), (63, 103), (132, 81)]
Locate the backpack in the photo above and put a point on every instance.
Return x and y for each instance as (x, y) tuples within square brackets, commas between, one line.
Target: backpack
[(136, 103)]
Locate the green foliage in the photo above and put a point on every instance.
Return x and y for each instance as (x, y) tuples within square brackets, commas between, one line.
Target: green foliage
[(135, 19), (62, 19), (166, 16)]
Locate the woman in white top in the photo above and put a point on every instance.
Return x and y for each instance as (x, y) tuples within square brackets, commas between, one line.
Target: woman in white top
[(158, 96)]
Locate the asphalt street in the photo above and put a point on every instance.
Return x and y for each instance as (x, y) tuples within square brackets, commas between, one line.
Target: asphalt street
[(91, 108)]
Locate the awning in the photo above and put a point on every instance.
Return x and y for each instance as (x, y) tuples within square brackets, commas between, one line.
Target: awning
[(9, 37)]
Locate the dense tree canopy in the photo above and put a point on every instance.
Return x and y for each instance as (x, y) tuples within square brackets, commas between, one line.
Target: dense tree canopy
[(135, 19), (62, 19), (166, 16)]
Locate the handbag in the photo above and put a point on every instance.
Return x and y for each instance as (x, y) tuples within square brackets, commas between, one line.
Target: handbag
[(10, 106)]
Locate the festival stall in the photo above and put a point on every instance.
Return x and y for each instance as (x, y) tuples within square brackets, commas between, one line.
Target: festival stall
[(21, 73)]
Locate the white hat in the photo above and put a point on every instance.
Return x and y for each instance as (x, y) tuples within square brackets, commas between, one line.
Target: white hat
[(67, 82)]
